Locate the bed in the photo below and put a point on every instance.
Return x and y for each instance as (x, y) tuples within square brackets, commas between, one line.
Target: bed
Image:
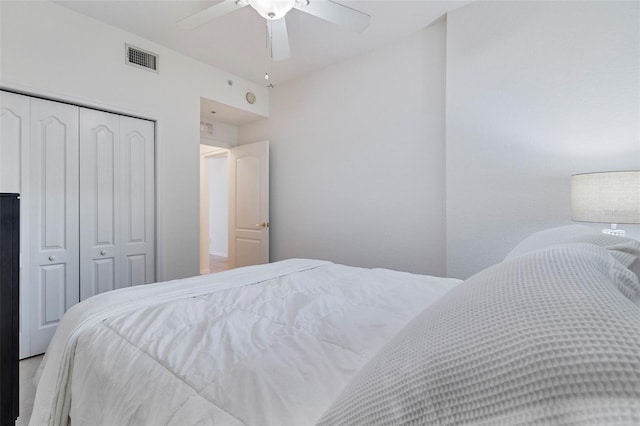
[(257, 345), (549, 335)]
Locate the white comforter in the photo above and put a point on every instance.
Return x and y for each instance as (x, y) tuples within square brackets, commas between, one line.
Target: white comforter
[(265, 345)]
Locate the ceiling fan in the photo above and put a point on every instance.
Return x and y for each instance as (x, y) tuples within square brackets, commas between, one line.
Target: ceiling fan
[(274, 12)]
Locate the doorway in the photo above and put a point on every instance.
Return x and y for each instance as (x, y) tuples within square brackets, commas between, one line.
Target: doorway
[(214, 209), (234, 191)]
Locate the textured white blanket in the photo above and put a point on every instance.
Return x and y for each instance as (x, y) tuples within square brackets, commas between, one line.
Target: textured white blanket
[(548, 337), (272, 344)]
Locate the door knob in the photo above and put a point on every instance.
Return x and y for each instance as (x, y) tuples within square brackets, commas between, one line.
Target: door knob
[(262, 225), (52, 258), (102, 252)]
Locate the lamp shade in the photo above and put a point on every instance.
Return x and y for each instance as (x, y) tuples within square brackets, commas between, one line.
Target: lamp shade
[(608, 197)]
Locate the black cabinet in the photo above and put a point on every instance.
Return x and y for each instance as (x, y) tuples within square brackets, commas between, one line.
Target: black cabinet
[(9, 306)]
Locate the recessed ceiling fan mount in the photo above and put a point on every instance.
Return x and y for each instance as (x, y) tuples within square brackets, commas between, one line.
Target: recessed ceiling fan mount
[(274, 12)]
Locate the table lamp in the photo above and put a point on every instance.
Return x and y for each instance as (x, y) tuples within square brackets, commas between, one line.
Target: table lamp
[(606, 197)]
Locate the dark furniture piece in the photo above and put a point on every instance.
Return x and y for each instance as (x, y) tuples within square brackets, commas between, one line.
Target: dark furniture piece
[(9, 306)]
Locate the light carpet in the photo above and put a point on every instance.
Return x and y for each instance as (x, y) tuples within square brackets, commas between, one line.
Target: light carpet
[(28, 368)]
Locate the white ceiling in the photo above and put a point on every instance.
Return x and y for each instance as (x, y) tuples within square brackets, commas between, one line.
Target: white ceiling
[(216, 111), (236, 42)]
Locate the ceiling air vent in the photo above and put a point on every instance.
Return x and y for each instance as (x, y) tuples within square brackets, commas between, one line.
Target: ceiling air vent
[(141, 58)]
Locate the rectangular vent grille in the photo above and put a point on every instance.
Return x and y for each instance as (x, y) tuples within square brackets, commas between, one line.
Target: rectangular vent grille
[(141, 58)]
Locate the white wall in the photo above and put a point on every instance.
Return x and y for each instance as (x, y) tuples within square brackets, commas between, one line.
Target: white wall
[(224, 135), (536, 91), (357, 159), (218, 206), (54, 52)]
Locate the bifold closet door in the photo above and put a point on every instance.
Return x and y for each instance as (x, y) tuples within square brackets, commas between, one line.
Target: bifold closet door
[(137, 139), (14, 177), (100, 258), (54, 282), (116, 202)]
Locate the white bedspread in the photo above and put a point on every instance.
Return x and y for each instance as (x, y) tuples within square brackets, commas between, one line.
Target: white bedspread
[(265, 345)]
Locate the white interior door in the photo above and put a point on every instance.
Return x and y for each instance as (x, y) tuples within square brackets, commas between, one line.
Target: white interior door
[(249, 204), (117, 243), (14, 135), (137, 191), (14, 177), (99, 202), (86, 226), (54, 283)]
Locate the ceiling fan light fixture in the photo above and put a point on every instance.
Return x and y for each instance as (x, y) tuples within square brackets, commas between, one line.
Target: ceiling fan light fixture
[(272, 9)]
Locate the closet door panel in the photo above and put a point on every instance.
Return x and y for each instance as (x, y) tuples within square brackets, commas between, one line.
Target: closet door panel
[(14, 132), (138, 201), (99, 202), (136, 269), (53, 221), (103, 275), (53, 288), (14, 177)]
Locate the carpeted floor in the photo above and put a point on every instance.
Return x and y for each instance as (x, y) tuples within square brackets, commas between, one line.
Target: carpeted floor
[(28, 368)]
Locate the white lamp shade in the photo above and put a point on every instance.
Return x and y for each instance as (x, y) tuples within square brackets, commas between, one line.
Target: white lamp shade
[(272, 9), (608, 197)]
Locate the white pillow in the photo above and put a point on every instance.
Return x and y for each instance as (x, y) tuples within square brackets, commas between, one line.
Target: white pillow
[(549, 237), (625, 250), (543, 338)]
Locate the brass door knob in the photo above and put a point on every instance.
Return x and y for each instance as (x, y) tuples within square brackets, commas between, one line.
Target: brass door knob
[(262, 225)]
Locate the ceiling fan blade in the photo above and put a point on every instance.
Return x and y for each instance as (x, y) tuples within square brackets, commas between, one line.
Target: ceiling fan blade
[(279, 39), (209, 14), (337, 14)]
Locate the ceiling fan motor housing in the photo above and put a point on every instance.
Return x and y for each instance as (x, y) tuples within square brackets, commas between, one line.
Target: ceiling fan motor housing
[(272, 9)]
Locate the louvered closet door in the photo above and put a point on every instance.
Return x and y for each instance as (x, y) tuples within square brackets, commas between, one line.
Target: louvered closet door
[(137, 138), (54, 281), (100, 175), (14, 177)]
